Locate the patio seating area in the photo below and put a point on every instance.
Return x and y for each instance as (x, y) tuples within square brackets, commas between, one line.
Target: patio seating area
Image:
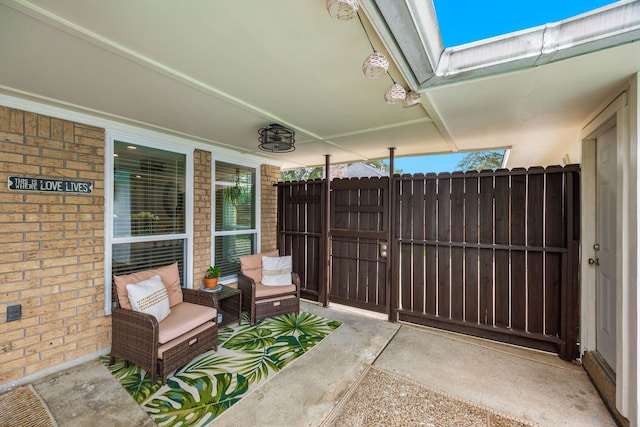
[(528, 384)]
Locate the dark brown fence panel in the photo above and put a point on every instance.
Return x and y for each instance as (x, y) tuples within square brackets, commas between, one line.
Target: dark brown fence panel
[(358, 226), (518, 238), (499, 254), (535, 267), (457, 253), (444, 253), (485, 227), (431, 221), (300, 213), (471, 277), (555, 236)]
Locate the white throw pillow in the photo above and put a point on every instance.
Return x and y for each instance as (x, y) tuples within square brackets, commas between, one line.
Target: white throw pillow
[(276, 271), (150, 296)]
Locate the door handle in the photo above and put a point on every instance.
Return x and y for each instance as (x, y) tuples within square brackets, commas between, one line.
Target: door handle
[(594, 261)]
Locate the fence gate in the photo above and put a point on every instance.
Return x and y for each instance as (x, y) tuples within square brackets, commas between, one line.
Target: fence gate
[(301, 231), (359, 242), (493, 254)]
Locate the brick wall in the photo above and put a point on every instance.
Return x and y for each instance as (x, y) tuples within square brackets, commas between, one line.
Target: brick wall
[(202, 217), (269, 219), (51, 245)]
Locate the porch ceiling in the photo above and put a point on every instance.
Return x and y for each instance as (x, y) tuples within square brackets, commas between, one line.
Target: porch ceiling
[(218, 71)]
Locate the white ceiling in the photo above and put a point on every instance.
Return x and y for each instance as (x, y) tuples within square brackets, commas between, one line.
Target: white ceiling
[(216, 72)]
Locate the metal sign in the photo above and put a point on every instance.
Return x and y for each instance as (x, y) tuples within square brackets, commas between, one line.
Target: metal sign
[(17, 183)]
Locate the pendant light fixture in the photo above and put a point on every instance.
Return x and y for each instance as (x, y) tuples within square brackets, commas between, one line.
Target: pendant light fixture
[(395, 94), (276, 139), (342, 10), (413, 98), (376, 64)]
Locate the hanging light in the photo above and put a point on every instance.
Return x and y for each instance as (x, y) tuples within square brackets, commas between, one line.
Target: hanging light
[(276, 139), (413, 98), (342, 10), (376, 65), (395, 94)]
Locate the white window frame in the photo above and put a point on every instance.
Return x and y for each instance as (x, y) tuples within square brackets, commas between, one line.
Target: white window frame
[(110, 240), (258, 203)]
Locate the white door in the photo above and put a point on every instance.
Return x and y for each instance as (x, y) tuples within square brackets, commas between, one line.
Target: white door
[(605, 248)]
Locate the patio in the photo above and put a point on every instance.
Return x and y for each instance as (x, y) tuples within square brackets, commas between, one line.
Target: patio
[(529, 384)]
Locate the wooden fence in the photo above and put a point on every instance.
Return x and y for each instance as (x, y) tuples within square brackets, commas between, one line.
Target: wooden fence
[(493, 253)]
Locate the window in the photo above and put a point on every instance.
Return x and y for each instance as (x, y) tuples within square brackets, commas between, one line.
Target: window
[(235, 232), (148, 210)]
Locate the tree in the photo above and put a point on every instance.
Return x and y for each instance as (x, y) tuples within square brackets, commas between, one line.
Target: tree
[(480, 160), (303, 174)]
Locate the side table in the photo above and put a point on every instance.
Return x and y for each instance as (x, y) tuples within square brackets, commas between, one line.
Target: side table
[(230, 303)]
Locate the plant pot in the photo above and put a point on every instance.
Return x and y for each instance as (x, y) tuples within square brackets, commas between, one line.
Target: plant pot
[(211, 283)]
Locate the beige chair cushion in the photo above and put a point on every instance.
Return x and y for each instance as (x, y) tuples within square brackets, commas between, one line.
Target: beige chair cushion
[(183, 318), (170, 277), (272, 291), (251, 265), (164, 347)]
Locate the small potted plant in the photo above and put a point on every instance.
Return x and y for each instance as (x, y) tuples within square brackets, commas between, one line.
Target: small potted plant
[(212, 276)]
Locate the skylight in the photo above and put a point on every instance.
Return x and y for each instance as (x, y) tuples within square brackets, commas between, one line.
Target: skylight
[(470, 21)]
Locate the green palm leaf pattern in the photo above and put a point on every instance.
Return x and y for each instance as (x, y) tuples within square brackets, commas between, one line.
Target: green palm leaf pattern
[(203, 400), (286, 350), (251, 339), (255, 365), (304, 324), (247, 355)]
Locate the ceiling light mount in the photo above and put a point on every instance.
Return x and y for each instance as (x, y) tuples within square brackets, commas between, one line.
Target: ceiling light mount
[(276, 138), (342, 10)]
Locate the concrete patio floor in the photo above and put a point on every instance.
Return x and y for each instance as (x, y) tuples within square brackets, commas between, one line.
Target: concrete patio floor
[(532, 385)]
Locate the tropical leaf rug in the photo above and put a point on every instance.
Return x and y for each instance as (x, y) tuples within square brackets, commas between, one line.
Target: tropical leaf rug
[(210, 384)]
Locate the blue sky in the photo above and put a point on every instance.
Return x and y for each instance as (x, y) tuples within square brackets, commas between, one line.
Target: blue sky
[(466, 21), (423, 164), (432, 163)]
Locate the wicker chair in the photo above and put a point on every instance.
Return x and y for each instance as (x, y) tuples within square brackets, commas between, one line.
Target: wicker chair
[(262, 301), (136, 336)]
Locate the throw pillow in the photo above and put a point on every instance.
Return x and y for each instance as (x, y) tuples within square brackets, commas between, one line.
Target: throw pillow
[(170, 277), (150, 296), (276, 271)]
